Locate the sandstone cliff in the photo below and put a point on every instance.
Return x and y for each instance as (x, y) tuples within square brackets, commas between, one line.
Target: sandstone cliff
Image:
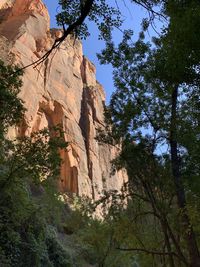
[(63, 90)]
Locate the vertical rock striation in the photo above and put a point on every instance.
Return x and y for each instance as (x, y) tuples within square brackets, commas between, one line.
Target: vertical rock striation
[(63, 90)]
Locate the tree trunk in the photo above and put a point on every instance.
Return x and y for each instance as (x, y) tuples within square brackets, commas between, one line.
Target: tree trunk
[(168, 244), (189, 235)]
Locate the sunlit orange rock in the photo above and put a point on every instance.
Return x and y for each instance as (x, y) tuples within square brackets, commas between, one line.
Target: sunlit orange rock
[(62, 90)]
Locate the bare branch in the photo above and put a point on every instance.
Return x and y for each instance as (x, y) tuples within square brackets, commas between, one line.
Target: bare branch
[(148, 7)]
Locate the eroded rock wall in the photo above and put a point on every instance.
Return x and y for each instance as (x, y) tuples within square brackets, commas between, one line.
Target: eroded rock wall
[(62, 90)]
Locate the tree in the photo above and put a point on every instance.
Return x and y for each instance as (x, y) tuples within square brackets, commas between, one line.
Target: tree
[(154, 110), (29, 168), (11, 106)]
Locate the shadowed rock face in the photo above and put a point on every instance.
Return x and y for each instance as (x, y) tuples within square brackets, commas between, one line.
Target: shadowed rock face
[(63, 90)]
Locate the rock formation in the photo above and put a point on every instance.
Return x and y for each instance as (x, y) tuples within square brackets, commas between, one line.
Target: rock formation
[(63, 90)]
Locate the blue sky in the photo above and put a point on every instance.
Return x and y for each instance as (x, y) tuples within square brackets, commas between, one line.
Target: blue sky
[(132, 17)]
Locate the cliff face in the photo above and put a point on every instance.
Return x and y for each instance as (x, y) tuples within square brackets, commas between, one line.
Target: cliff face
[(63, 90)]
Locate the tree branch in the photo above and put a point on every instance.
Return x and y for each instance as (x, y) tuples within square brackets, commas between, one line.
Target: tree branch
[(84, 13), (159, 253)]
